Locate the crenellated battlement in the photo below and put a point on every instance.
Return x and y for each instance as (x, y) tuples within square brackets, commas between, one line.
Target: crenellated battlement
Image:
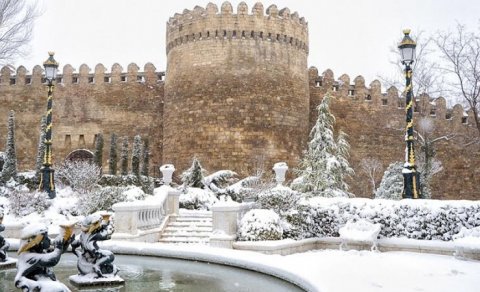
[(85, 75), (273, 25), (357, 91)]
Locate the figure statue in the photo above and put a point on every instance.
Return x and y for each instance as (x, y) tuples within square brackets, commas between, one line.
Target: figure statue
[(37, 258), (3, 243), (91, 259)]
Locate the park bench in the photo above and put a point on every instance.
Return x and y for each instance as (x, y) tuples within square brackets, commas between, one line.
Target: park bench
[(359, 232)]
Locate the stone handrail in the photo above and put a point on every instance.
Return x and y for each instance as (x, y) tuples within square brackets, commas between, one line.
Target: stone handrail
[(133, 217)]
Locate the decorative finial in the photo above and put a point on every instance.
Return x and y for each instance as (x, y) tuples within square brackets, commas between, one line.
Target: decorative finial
[(406, 31)]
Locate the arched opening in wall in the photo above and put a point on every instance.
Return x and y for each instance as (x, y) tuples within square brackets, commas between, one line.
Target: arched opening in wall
[(243, 34), (252, 34), (80, 155), (234, 34)]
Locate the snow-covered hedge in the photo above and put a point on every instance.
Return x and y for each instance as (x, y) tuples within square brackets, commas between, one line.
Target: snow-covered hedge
[(197, 199), (279, 199), (259, 224), (417, 219)]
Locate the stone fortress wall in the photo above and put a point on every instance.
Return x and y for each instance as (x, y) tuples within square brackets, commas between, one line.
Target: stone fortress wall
[(236, 86), (85, 103), (237, 90)]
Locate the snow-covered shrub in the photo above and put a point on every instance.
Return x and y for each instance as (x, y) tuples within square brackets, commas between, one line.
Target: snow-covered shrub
[(136, 155), (98, 155), (9, 169), (40, 147), (145, 182), (23, 203), (100, 199), (193, 177), (197, 199), (259, 224), (124, 156), (279, 199), (391, 186), (81, 175), (219, 180), (2, 160), (424, 219), (325, 166), (249, 188), (113, 157), (28, 179)]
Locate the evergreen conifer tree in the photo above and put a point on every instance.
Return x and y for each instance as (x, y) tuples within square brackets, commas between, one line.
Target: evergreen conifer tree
[(98, 155), (325, 166), (193, 177), (391, 186), (124, 156), (112, 163), (10, 166), (41, 147), (136, 155), (145, 158)]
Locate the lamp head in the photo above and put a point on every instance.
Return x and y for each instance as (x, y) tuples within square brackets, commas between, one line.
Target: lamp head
[(407, 48), (51, 67)]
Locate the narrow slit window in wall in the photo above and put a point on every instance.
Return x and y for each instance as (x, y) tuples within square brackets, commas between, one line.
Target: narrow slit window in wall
[(68, 141), (81, 141)]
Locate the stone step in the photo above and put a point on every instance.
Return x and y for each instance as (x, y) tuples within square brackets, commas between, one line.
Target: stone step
[(188, 228), (189, 219), (176, 234), (183, 240), (189, 224), (195, 213)]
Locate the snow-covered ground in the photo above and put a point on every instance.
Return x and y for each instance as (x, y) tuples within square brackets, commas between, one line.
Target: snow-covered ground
[(335, 270), (365, 271)]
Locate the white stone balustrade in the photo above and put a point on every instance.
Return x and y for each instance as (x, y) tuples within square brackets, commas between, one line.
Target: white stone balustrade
[(134, 218), (226, 216)]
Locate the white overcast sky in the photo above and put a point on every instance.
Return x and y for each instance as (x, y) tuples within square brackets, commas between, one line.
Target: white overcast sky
[(347, 36)]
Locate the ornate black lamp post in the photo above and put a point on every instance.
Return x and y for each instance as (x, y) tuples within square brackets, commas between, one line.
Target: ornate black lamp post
[(47, 183), (411, 178)]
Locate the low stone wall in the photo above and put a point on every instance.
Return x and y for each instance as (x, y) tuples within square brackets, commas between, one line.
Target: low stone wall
[(289, 246)]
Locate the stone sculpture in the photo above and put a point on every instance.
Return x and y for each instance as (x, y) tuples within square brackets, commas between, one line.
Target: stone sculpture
[(95, 265), (36, 259), (3, 243)]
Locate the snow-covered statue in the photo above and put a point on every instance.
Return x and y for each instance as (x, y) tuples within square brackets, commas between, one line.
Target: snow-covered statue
[(37, 258), (93, 261), (3, 243)]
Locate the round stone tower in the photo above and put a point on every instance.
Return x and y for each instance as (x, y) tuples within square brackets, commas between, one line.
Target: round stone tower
[(236, 88)]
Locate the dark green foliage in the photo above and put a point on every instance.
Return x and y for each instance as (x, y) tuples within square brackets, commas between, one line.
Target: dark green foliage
[(193, 177), (10, 166), (124, 156), (145, 158), (41, 147), (136, 155), (98, 155), (112, 163)]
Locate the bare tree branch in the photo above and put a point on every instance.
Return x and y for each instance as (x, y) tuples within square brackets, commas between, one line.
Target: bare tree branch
[(426, 78), (461, 52), (16, 25)]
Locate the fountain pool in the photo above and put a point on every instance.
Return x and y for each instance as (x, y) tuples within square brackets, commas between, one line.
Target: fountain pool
[(149, 274)]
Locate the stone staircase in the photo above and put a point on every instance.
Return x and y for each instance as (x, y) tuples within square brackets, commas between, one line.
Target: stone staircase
[(188, 227)]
